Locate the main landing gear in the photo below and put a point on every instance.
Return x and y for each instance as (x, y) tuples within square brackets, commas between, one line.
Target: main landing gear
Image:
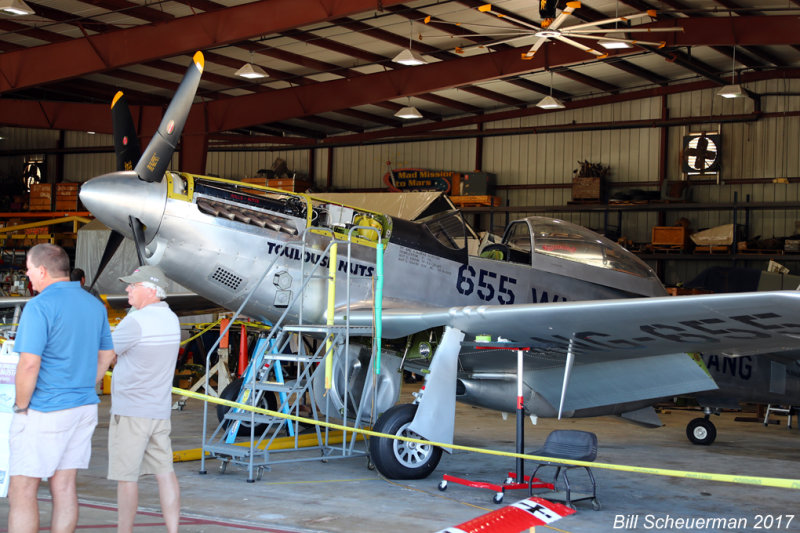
[(397, 459)]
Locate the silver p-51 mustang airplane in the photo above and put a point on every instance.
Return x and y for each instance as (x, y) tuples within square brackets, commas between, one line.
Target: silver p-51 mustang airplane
[(602, 336)]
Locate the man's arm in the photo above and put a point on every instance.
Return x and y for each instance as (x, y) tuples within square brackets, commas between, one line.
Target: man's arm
[(25, 379), (105, 358)]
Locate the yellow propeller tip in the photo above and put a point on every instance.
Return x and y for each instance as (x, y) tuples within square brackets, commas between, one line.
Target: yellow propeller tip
[(199, 60), (116, 97), (485, 7)]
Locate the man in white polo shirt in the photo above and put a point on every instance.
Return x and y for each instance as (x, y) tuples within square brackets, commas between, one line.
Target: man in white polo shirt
[(146, 343)]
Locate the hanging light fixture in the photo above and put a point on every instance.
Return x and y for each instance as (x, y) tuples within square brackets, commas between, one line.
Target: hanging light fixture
[(550, 102), (251, 71), (612, 44), (15, 7), (408, 112), (734, 90), (408, 56)]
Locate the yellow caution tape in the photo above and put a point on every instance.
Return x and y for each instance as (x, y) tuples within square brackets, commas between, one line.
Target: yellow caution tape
[(783, 483)]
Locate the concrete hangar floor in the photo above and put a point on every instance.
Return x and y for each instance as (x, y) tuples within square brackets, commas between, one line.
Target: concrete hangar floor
[(343, 496)]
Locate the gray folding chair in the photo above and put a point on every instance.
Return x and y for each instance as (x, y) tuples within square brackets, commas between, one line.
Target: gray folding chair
[(568, 444)]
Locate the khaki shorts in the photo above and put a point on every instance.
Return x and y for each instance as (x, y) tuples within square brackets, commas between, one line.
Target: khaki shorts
[(138, 446), (41, 443)]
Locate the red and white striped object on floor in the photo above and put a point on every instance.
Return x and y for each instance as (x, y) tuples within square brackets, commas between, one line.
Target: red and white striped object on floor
[(515, 518)]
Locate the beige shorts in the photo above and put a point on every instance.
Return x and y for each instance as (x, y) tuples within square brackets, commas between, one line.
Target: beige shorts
[(138, 446), (41, 443)]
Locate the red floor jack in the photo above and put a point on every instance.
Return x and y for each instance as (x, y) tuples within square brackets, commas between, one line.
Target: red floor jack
[(515, 480)]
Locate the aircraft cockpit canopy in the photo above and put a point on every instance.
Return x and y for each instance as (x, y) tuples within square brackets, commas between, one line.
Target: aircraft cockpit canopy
[(564, 240)]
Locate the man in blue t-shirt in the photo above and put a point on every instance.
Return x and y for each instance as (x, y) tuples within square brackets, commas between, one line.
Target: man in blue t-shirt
[(62, 333)]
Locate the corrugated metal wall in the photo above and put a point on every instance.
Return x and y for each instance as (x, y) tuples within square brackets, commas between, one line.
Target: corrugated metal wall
[(537, 169), (81, 167), (19, 139), (246, 164)]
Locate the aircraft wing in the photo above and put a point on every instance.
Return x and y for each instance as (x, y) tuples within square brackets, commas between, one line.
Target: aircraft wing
[(624, 350), (178, 302), (13, 301), (727, 324)]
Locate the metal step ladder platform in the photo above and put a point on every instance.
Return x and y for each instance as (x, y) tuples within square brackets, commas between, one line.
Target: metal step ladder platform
[(231, 443)]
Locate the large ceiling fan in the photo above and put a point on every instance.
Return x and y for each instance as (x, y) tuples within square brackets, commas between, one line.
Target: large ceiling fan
[(550, 28)]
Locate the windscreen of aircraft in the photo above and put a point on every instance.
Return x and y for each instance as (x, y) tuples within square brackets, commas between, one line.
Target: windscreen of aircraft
[(448, 228)]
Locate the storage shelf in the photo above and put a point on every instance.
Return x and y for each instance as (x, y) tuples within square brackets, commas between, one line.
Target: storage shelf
[(653, 206), (716, 257), (46, 214)]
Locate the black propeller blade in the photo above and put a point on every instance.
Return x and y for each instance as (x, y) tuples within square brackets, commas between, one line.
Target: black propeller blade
[(114, 240), (138, 237), (157, 156), (128, 151), (126, 142)]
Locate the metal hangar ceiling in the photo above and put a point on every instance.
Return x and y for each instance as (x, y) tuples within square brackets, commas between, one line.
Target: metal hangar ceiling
[(331, 75)]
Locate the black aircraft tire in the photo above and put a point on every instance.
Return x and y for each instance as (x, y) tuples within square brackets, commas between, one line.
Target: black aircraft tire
[(231, 392), (397, 459), (701, 431)]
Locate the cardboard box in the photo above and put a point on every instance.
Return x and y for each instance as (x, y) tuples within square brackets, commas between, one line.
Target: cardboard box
[(669, 236), (586, 188), (289, 184), (255, 181), (286, 184), (40, 204), (41, 190), (66, 204)]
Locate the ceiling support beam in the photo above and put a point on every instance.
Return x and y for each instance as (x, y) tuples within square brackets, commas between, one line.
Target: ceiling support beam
[(538, 88), (630, 68), (373, 88), (244, 111), (493, 95), (429, 131), (587, 80), (449, 102), (330, 123), (106, 51)]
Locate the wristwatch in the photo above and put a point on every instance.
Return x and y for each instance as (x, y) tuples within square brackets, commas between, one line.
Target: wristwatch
[(20, 410)]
